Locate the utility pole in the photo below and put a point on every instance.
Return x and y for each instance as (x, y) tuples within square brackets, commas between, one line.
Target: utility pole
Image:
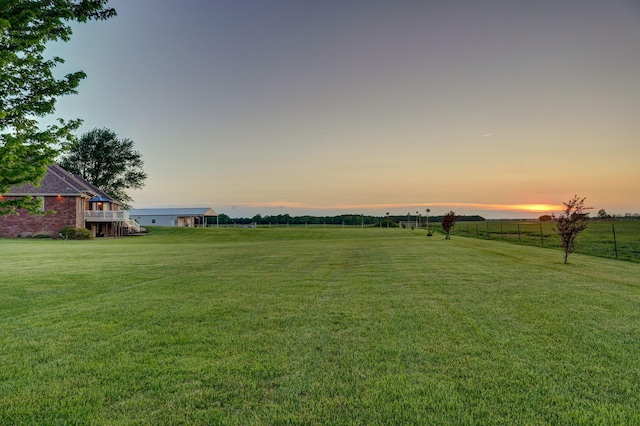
[(428, 231)]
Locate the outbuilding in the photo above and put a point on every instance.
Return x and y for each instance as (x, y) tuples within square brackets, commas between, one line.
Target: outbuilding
[(185, 216)]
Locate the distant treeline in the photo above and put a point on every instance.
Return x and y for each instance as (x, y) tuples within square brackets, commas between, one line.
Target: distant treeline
[(345, 219)]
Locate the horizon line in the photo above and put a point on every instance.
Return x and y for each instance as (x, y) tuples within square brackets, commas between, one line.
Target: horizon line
[(523, 208), (284, 205)]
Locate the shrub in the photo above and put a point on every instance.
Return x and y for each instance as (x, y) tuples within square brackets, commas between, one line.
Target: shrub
[(71, 233), (448, 221), (570, 223)]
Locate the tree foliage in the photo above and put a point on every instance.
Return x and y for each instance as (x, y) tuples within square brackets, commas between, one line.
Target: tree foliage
[(602, 214), (110, 163), (448, 220), (570, 223), (28, 88)]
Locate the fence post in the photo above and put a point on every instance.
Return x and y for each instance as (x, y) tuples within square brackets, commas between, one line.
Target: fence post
[(519, 240), (541, 238), (615, 243)]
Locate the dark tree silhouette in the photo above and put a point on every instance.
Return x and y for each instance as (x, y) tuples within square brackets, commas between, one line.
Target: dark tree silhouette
[(448, 220), (570, 223), (108, 162)]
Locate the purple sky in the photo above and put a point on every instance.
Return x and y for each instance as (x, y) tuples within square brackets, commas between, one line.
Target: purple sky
[(329, 107)]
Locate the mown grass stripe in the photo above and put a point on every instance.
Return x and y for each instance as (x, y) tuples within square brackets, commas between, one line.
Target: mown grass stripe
[(326, 326)]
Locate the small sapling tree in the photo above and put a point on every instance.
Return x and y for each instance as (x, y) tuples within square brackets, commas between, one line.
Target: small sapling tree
[(570, 223), (448, 221)]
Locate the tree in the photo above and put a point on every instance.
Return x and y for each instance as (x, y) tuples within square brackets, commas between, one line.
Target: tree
[(570, 223), (28, 89), (448, 220), (107, 162), (602, 214)]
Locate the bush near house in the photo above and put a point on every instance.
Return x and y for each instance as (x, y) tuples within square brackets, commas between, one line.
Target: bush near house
[(71, 233), (42, 236)]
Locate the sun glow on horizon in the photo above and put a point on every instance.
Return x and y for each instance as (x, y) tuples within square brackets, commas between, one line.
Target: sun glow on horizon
[(536, 208), (394, 207)]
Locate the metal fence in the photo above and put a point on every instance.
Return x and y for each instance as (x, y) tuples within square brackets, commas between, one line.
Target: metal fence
[(616, 240)]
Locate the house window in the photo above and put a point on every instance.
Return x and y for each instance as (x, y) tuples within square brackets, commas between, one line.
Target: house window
[(41, 203), (153, 221)]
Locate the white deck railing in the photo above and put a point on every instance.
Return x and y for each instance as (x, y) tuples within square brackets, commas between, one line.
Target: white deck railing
[(106, 215)]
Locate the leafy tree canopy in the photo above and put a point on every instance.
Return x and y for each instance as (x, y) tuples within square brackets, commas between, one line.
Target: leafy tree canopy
[(570, 223), (28, 89), (110, 163), (448, 220)]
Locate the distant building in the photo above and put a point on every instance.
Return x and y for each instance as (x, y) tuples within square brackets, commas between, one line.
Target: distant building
[(188, 216)]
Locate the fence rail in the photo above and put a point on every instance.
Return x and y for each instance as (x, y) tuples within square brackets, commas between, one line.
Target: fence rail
[(616, 240)]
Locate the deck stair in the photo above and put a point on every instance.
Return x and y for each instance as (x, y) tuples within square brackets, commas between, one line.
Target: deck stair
[(132, 225)]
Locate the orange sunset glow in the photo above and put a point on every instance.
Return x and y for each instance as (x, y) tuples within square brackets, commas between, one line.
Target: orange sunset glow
[(536, 208), (399, 208)]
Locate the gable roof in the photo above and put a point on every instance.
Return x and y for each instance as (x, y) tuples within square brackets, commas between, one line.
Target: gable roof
[(58, 181), (182, 212)]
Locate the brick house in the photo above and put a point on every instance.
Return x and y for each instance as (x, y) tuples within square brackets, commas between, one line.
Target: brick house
[(73, 202)]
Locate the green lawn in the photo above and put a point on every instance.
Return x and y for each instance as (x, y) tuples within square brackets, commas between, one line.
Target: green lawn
[(315, 326)]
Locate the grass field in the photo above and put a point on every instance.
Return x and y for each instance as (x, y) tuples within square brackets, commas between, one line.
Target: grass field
[(596, 240), (314, 326)]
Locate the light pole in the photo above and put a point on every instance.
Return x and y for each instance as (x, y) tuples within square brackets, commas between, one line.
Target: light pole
[(418, 220), (428, 231), (387, 220)]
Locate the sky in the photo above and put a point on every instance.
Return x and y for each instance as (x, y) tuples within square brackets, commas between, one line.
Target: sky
[(498, 108)]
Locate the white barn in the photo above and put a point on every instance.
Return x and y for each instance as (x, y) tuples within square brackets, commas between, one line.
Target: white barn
[(187, 216)]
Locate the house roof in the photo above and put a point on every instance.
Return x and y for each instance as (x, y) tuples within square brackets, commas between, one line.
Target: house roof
[(58, 181), (99, 199), (182, 212)]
